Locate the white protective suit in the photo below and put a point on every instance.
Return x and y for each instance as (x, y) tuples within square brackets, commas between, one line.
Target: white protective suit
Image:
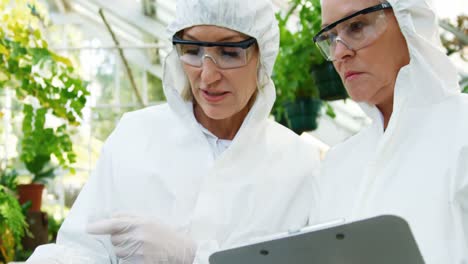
[(158, 163), (418, 167)]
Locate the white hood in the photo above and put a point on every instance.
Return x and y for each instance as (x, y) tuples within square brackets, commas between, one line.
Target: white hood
[(253, 18), (430, 76)]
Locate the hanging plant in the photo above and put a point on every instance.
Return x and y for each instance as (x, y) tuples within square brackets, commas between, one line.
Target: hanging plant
[(297, 53), (298, 98)]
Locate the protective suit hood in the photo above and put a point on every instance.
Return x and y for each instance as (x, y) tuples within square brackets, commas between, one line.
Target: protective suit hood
[(430, 76), (253, 18)]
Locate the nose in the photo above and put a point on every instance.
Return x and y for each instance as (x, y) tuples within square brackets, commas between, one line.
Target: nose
[(209, 71), (341, 50)]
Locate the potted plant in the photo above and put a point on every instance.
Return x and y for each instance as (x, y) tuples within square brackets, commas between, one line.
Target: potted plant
[(38, 145), (13, 225), (45, 84), (301, 75)]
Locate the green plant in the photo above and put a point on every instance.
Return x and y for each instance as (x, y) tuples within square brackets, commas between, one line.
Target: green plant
[(44, 82), (39, 143), (465, 85), (8, 179), (53, 228), (456, 41), (13, 225), (297, 55)]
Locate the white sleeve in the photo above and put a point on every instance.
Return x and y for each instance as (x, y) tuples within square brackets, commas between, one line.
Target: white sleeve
[(58, 254), (74, 245), (49, 253), (462, 193)]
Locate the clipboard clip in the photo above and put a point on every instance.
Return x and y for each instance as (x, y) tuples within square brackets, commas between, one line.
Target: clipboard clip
[(323, 225)]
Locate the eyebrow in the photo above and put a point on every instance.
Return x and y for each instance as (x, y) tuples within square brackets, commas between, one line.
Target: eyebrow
[(224, 39)]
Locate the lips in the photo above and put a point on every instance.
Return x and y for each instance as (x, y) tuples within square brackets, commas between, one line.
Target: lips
[(351, 75), (214, 96)]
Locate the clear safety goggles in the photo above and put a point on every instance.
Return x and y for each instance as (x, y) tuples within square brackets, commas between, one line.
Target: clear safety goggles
[(226, 55), (355, 31)]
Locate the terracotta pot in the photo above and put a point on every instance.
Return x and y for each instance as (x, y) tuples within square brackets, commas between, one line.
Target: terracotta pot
[(31, 192)]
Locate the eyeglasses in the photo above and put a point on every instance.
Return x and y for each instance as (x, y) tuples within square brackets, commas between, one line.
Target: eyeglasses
[(355, 31), (226, 55)]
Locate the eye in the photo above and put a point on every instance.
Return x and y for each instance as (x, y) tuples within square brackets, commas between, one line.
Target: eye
[(191, 50), (356, 26), (327, 37), (232, 53), (323, 37)]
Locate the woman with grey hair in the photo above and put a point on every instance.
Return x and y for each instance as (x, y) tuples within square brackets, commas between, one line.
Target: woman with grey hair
[(205, 171), (412, 161)]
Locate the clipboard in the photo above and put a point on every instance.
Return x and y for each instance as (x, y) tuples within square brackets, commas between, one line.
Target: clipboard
[(385, 239)]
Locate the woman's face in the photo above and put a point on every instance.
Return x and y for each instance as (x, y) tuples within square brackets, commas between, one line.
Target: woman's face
[(369, 74), (221, 93)]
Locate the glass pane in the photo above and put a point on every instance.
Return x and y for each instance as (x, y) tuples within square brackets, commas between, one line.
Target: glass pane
[(155, 89), (105, 79), (104, 122), (127, 92)]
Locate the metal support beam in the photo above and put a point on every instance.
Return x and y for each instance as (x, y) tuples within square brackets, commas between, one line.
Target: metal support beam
[(460, 35)]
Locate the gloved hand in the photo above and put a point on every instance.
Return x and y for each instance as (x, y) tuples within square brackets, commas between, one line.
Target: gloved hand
[(139, 240)]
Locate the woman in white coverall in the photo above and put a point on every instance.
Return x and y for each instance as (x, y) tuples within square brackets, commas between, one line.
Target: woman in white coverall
[(412, 161), (205, 171)]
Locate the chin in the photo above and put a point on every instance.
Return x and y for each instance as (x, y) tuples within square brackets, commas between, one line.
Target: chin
[(360, 98), (358, 94), (216, 114)]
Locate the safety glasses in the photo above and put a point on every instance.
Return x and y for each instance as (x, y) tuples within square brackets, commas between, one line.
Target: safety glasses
[(355, 31), (226, 55)]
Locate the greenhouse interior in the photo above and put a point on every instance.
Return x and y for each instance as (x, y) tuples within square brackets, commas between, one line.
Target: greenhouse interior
[(72, 68)]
